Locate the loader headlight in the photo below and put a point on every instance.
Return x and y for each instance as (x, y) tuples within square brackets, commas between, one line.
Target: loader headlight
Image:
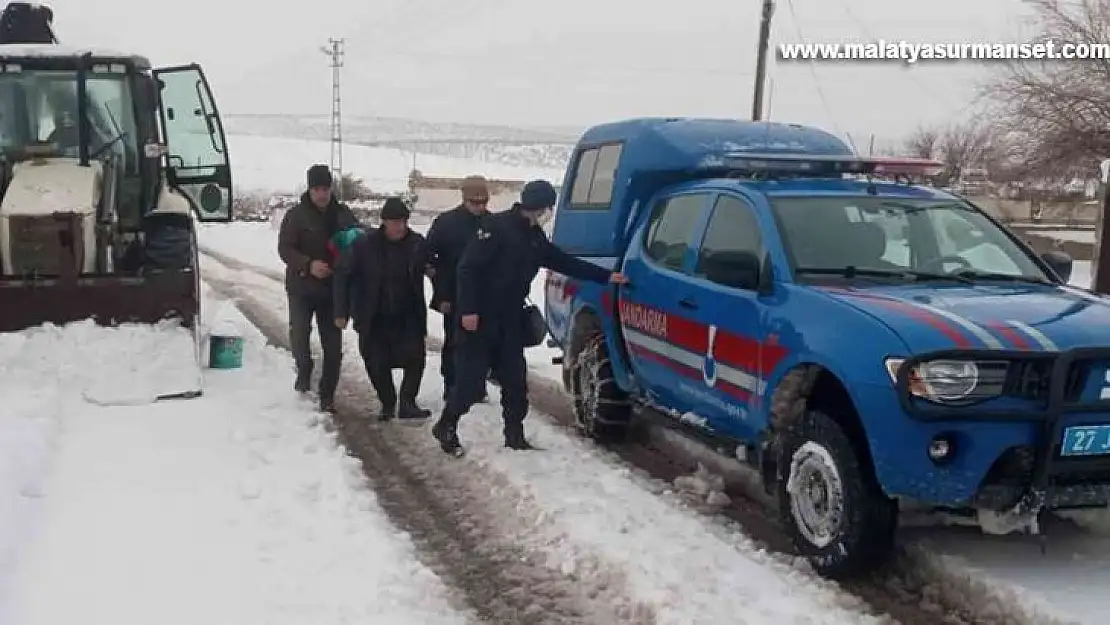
[(943, 381)]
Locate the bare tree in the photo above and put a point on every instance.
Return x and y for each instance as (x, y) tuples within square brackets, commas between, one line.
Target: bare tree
[(969, 145), (923, 143), (1058, 111)]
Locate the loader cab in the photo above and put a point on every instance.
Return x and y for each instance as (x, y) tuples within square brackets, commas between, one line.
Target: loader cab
[(146, 128)]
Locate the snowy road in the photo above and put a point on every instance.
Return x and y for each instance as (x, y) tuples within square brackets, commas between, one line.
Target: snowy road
[(233, 508)]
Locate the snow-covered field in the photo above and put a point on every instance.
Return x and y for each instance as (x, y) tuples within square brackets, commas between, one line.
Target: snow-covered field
[(272, 164), (236, 507), (1057, 586)]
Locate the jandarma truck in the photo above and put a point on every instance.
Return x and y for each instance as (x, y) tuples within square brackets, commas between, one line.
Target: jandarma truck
[(859, 340)]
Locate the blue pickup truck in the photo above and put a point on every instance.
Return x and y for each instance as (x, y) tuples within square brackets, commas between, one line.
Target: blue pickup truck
[(861, 341)]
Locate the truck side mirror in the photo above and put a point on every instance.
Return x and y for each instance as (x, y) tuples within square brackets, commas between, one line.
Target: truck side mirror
[(1060, 262), (736, 269)]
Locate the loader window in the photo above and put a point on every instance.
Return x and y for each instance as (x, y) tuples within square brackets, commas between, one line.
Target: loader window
[(41, 110), (197, 148)]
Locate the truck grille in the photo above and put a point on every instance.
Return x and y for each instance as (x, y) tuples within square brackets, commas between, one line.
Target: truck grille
[(37, 245), (1030, 380)]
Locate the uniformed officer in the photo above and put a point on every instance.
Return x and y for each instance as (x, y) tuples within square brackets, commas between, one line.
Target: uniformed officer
[(494, 278), (447, 238)]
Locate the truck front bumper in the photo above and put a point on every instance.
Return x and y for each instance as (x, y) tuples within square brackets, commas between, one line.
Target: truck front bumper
[(1026, 479)]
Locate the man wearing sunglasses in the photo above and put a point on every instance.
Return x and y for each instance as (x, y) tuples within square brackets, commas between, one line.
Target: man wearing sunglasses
[(447, 238)]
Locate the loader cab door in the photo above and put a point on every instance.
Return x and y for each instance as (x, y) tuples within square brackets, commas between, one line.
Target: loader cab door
[(197, 162)]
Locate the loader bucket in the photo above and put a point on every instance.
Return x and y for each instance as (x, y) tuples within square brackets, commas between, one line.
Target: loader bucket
[(108, 299)]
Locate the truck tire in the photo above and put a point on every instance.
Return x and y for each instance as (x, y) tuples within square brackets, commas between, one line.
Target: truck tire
[(601, 408), (831, 504)]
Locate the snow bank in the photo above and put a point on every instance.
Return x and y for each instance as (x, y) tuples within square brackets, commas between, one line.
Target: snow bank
[(237, 507), (278, 164), (1075, 236)]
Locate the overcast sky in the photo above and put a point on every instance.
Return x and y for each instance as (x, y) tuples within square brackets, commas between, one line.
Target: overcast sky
[(557, 63)]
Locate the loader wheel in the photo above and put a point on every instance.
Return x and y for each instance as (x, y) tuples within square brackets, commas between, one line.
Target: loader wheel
[(831, 504), (601, 408)]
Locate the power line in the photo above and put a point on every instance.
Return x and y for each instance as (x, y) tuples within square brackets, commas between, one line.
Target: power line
[(816, 79), (913, 77)]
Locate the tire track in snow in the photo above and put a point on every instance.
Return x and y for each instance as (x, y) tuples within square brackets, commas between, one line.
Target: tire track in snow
[(914, 589), (470, 537)]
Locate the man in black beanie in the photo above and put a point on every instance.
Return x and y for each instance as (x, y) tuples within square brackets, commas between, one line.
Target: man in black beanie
[(383, 292), (303, 241), (494, 278)]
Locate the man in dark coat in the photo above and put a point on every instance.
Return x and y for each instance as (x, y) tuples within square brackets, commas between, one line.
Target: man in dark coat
[(494, 278), (447, 238), (382, 290), (303, 242)]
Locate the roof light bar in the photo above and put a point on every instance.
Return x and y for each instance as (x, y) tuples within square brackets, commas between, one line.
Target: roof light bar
[(824, 165)]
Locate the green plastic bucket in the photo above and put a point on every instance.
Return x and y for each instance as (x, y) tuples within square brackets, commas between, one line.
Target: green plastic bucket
[(225, 352)]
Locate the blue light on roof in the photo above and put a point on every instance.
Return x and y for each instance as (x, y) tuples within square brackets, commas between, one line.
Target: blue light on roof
[(817, 165)]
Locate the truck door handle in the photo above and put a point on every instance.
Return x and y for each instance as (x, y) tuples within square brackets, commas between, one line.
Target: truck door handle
[(688, 303)]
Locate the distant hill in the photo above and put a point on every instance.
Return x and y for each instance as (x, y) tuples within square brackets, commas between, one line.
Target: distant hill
[(547, 148)]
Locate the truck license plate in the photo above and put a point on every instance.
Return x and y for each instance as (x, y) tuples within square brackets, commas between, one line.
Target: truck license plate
[(1086, 440)]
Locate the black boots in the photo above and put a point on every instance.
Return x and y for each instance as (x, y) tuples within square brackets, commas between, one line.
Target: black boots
[(446, 432), (514, 437), (409, 411), (303, 383)]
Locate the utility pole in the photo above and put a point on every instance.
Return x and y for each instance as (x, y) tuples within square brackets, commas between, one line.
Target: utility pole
[(761, 59), (1100, 280), (335, 51)]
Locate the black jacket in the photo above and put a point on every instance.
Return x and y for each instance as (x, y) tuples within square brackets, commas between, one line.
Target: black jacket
[(358, 286), (447, 238), (497, 269), (304, 236)]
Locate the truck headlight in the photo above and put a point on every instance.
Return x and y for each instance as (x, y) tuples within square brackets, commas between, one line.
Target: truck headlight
[(939, 380)]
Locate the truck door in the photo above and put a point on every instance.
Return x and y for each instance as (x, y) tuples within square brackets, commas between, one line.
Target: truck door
[(729, 313), (654, 308), (197, 163)]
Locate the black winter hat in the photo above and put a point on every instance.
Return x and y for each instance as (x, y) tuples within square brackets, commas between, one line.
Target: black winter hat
[(395, 208), (537, 195), (319, 176)]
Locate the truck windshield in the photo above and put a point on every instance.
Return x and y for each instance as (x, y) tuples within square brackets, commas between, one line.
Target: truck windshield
[(38, 116), (830, 235)]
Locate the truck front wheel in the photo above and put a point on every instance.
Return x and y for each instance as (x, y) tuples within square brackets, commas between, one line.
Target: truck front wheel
[(832, 506), (601, 409)]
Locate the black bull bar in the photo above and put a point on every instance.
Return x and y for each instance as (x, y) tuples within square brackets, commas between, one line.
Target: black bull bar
[(1065, 365), (108, 299)]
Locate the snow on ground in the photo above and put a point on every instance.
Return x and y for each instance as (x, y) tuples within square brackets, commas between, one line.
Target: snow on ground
[(590, 515), (1077, 236), (279, 164), (1056, 585), (236, 507)]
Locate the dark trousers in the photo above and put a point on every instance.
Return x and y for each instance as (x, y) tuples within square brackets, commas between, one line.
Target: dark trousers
[(451, 331), (383, 351), (478, 352), (302, 308)]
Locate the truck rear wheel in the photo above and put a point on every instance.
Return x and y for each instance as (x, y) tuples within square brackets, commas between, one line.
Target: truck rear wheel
[(601, 409), (831, 504)]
